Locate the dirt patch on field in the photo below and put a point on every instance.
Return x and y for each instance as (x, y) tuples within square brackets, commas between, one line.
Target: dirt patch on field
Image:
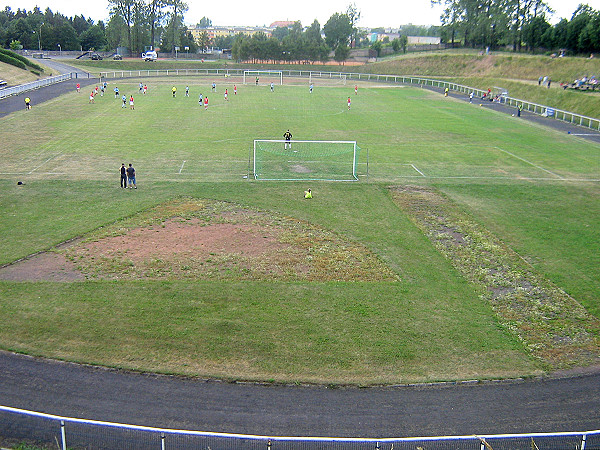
[(554, 327), (47, 266), (196, 239)]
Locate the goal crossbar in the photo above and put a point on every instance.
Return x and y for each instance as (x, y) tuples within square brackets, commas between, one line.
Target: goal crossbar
[(251, 75)]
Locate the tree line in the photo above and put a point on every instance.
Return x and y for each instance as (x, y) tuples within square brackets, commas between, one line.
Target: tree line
[(518, 25), (134, 24), (140, 24)]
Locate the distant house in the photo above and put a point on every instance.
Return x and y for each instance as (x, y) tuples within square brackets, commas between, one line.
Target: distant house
[(412, 40), (214, 32), (282, 24)]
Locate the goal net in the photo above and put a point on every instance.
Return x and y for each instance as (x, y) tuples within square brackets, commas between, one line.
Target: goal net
[(327, 78), (263, 76), (305, 160)]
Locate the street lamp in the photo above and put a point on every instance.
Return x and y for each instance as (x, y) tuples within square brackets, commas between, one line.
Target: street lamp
[(40, 37)]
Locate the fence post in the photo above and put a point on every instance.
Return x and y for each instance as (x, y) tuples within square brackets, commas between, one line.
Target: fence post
[(63, 435), (162, 441), (583, 442)]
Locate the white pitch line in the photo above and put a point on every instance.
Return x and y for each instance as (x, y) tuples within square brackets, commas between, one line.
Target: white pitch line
[(414, 167), (529, 162), (49, 159), (181, 168)]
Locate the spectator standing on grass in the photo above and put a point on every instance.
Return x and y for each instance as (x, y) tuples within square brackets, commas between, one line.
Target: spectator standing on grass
[(131, 176), (27, 103), (123, 176)]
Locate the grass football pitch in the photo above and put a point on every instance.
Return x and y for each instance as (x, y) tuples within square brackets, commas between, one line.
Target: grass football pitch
[(536, 190)]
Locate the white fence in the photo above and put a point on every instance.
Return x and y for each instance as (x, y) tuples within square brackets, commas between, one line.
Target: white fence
[(542, 110), (14, 90), (41, 429)]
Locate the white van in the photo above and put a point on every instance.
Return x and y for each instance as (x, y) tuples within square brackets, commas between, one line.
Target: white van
[(150, 56)]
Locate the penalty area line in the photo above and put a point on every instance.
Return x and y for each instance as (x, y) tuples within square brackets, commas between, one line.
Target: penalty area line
[(529, 162), (49, 159), (181, 168), (415, 167)]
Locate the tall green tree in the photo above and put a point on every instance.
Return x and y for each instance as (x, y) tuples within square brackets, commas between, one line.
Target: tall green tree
[(124, 9), (338, 31), (353, 14)]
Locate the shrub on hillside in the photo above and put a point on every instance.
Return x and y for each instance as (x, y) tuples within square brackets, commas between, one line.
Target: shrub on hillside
[(24, 60), (10, 60)]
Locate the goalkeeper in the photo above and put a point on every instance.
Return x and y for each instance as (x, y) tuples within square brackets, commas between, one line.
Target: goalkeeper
[(288, 138), (308, 194)]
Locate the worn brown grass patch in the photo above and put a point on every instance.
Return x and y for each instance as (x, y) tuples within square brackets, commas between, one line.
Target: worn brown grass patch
[(198, 239), (553, 326)]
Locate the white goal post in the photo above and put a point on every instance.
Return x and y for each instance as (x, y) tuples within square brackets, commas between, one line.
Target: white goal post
[(281, 160), (250, 76)]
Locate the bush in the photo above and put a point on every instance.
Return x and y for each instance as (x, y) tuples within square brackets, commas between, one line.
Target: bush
[(10, 60), (24, 60)]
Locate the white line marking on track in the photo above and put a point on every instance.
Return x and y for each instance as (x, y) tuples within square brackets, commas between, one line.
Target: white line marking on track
[(528, 162)]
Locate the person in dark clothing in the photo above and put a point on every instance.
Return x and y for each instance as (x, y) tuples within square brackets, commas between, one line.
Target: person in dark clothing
[(131, 176), (123, 176)]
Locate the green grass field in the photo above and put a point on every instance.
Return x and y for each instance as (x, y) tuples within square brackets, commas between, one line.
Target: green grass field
[(536, 190)]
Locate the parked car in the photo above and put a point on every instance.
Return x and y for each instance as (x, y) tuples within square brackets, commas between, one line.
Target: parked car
[(95, 57), (150, 56), (117, 57)]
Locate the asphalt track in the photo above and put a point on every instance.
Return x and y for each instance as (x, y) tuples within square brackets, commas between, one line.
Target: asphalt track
[(561, 403)]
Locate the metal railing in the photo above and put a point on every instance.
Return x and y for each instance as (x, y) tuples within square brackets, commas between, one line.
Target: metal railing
[(44, 429), (542, 110), (15, 90)]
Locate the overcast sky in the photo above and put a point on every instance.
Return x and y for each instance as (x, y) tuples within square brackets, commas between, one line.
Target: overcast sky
[(374, 13)]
